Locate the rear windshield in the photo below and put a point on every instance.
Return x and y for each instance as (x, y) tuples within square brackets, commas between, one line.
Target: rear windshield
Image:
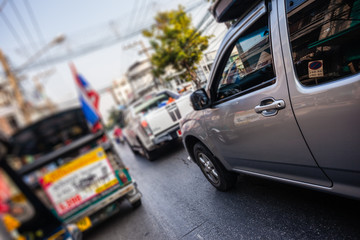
[(152, 104), (50, 134)]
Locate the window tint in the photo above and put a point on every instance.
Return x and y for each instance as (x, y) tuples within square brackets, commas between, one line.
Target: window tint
[(324, 36), (249, 65)]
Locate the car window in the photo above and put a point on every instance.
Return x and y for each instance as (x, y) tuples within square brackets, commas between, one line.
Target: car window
[(249, 62), (152, 104), (324, 37)]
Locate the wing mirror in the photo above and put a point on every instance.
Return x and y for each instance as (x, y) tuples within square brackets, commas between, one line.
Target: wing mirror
[(200, 99)]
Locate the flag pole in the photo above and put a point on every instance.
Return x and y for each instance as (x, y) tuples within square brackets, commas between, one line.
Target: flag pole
[(89, 99)]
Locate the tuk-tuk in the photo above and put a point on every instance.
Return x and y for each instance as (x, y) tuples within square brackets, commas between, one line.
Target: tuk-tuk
[(76, 173), (27, 217)]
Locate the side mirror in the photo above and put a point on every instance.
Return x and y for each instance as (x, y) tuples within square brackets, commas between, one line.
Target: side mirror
[(200, 99)]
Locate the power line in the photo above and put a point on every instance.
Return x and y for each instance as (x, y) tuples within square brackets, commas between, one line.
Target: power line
[(135, 9), (34, 22), (35, 25), (101, 41), (145, 10), (2, 6), (23, 25), (14, 33)]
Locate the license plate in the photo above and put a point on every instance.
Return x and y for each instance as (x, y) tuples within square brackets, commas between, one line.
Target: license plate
[(84, 224), (179, 133)]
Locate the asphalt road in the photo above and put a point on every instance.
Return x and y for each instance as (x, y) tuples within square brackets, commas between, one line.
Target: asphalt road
[(179, 203)]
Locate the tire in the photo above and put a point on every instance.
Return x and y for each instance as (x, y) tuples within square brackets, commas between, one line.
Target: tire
[(131, 147), (136, 204), (213, 170), (149, 155)]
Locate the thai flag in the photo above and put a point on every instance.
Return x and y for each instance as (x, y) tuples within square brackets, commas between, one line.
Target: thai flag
[(89, 100)]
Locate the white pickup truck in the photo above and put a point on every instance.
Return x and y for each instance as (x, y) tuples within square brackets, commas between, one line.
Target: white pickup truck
[(153, 121)]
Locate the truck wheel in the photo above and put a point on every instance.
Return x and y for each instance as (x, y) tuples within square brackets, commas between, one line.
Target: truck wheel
[(149, 155), (136, 204), (131, 147), (213, 170)]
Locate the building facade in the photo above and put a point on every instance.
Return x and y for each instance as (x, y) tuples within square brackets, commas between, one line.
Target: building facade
[(123, 90), (140, 78)]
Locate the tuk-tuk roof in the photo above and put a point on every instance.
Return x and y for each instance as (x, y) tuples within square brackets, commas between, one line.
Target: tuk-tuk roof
[(47, 118), (50, 133)]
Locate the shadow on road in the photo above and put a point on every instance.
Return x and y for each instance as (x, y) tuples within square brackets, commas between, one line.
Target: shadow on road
[(125, 211), (163, 153)]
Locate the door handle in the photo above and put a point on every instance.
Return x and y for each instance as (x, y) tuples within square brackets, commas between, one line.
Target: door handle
[(269, 107)]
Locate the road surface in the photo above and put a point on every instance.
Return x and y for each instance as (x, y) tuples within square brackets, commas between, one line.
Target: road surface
[(179, 203)]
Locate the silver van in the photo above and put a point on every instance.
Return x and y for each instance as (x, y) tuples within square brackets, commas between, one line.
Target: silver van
[(283, 98)]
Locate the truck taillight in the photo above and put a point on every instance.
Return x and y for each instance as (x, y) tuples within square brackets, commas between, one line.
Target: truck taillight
[(104, 139), (123, 178), (146, 127)]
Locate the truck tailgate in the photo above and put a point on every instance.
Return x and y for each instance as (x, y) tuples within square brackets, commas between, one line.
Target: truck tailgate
[(169, 115), (77, 180)]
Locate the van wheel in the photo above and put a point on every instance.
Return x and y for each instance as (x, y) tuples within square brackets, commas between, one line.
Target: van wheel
[(213, 170)]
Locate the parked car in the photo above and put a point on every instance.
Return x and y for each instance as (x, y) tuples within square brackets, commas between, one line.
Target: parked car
[(282, 101), (153, 121)]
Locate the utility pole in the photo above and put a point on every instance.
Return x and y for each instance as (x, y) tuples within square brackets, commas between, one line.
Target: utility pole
[(49, 106), (113, 94), (146, 51), (15, 86), (148, 56)]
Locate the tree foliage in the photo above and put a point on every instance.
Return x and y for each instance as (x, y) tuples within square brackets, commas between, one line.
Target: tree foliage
[(116, 117), (176, 43)]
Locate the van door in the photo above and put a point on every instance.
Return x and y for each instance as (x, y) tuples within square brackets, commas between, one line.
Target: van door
[(321, 51), (251, 123)]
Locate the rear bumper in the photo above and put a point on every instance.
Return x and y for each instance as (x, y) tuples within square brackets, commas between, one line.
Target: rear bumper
[(170, 134), (130, 192)]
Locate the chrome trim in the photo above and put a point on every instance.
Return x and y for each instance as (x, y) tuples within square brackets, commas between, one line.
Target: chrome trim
[(99, 205), (281, 179), (165, 136)]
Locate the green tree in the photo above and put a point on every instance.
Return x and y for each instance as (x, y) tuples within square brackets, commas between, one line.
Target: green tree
[(116, 117), (176, 43)]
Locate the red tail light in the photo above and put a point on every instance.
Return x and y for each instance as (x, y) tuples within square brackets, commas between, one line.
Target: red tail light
[(123, 178), (104, 139), (144, 124), (146, 127)]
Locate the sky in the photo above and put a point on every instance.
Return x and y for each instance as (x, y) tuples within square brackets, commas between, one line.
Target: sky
[(81, 22)]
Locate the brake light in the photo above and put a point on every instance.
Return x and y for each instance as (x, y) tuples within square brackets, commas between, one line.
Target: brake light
[(144, 124), (146, 127), (123, 178), (103, 139)]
